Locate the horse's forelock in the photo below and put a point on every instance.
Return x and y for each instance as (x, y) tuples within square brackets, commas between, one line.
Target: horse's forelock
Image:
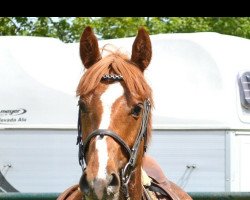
[(119, 64)]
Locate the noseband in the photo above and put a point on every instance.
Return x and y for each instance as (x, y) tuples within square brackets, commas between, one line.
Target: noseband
[(131, 153)]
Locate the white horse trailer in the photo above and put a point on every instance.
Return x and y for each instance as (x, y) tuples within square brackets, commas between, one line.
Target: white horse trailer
[(201, 119)]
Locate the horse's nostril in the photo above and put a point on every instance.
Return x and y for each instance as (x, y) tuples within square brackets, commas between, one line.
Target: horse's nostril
[(84, 186), (114, 180)]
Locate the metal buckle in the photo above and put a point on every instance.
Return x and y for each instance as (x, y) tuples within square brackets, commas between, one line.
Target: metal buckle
[(81, 156), (126, 175)]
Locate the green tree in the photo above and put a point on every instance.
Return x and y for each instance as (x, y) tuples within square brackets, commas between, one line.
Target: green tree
[(69, 29)]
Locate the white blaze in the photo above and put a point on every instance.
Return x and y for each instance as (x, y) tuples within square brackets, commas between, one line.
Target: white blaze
[(108, 98), (101, 146), (113, 92)]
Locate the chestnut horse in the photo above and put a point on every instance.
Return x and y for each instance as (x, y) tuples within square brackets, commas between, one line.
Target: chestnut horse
[(114, 124)]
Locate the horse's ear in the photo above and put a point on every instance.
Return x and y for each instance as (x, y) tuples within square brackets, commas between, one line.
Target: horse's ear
[(89, 50), (141, 50)]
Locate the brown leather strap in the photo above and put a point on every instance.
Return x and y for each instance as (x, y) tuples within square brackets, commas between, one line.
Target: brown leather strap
[(154, 171), (72, 193), (163, 191)]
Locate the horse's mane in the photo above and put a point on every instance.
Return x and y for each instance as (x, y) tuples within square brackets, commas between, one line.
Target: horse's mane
[(116, 63)]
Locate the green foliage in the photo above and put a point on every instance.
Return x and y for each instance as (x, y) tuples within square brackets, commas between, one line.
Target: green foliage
[(69, 29), (118, 27)]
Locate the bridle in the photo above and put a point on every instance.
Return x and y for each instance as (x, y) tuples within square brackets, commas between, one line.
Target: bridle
[(132, 153)]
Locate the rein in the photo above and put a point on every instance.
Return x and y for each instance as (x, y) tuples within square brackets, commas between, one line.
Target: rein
[(131, 153)]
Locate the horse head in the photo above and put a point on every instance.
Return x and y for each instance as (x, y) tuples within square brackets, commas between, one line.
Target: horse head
[(114, 118)]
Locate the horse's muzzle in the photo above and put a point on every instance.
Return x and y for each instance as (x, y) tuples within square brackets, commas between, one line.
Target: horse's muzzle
[(100, 188)]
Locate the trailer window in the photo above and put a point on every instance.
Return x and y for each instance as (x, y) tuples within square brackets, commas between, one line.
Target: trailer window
[(244, 85)]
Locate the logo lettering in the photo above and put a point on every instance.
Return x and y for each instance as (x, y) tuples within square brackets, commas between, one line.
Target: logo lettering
[(13, 112)]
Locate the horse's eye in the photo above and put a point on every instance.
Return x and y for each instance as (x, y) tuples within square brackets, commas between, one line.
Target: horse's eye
[(82, 106), (136, 110)]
